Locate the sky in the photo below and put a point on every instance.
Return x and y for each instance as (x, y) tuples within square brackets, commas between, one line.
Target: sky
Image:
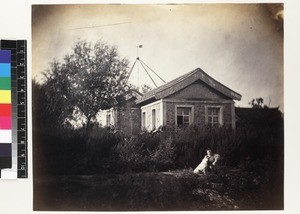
[(239, 45)]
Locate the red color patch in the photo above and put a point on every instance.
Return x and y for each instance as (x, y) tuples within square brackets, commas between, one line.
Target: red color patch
[(5, 109)]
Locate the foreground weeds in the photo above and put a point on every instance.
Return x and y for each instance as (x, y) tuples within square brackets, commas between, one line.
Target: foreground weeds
[(225, 189), (105, 169)]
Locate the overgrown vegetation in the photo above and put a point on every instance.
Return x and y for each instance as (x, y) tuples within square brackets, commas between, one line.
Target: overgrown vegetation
[(103, 150), (153, 170)]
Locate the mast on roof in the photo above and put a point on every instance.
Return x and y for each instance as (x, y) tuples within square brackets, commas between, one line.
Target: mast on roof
[(137, 58), (144, 66)]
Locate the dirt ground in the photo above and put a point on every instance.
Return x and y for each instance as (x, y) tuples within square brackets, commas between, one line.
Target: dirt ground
[(173, 190)]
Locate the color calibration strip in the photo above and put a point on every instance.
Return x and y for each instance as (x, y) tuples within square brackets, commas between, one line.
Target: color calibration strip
[(18, 76), (5, 111)]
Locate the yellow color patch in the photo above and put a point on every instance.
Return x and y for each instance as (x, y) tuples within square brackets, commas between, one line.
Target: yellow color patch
[(5, 96)]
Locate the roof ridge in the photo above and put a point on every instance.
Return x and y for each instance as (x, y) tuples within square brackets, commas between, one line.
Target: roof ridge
[(203, 76), (218, 81), (172, 82)]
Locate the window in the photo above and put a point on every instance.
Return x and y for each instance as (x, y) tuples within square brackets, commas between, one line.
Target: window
[(143, 120), (213, 116), (153, 119), (184, 116), (108, 120)]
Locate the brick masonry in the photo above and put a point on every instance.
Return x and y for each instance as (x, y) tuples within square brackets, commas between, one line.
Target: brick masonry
[(128, 120), (199, 112), (199, 95)]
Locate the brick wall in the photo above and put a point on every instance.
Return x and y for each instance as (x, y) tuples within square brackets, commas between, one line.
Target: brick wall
[(199, 112), (128, 120)]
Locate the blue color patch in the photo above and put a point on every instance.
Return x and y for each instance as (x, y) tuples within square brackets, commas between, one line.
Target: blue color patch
[(5, 70), (5, 56)]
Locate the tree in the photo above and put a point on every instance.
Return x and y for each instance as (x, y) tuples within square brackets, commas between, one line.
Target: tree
[(146, 88), (91, 78), (49, 105), (257, 103)]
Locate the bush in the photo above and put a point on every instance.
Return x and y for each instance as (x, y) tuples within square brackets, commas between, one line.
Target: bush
[(129, 153), (164, 155), (102, 150), (100, 141), (233, 145), (57, 151), (145, 152)]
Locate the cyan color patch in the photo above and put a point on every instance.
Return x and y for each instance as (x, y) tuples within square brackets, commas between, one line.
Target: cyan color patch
[(5, 69)]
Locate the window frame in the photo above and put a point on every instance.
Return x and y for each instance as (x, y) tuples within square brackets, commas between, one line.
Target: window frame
[(220, 115), (191, 116), (153, 120), (144, 119)]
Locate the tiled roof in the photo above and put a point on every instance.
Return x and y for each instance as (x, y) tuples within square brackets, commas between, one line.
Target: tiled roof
[(185, 80), (133, 93)]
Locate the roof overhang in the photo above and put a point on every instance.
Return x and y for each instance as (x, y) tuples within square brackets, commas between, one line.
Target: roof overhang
[(185, 80)]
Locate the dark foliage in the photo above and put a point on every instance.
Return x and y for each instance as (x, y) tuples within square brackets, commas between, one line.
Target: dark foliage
[(91, 77), (77, 169), (49, 108), (102, 150)]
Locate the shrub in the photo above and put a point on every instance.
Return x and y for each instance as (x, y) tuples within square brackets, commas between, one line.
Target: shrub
[(129, 153), (145, 152), (102, 150), (57, 151), (233, 145), (100, 141), (164, 155)]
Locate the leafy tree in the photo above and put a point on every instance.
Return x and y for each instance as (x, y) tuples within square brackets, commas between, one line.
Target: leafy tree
[(257, 103), (49, 107), (91, 78), (146, 88)]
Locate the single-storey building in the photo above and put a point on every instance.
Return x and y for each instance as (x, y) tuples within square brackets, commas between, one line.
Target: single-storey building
[(125, 116), (193, 98)]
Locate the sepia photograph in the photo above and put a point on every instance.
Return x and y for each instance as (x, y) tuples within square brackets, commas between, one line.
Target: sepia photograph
[(158, 107)]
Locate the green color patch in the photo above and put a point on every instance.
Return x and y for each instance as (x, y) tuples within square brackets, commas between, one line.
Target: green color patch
[(5, 83)]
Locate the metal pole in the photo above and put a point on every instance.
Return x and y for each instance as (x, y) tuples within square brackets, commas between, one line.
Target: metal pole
[(138, 73), (138, 70)]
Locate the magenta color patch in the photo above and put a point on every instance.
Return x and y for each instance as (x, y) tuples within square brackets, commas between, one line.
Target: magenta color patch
[(5, 122)]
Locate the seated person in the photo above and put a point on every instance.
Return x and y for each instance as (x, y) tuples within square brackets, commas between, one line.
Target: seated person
[(207, 163)]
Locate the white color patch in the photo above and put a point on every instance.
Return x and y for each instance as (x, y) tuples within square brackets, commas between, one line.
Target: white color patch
[(5, 136)]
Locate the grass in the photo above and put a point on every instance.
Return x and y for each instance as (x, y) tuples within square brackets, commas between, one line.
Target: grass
[(227, 189), (104, 171)]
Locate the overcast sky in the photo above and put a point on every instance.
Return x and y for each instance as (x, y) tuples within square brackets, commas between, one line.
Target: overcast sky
[(239, 45)]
